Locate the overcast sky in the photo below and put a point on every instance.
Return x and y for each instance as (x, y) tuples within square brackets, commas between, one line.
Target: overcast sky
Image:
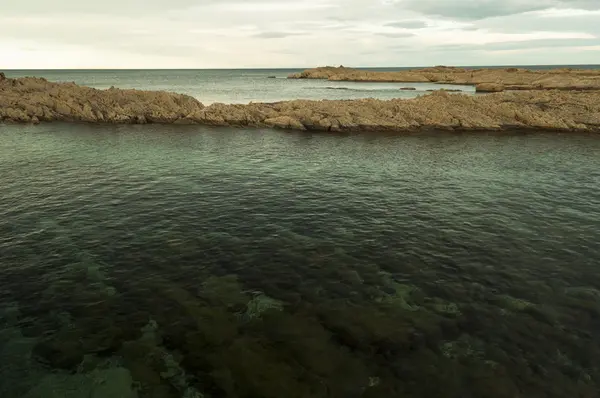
[(296, 33)]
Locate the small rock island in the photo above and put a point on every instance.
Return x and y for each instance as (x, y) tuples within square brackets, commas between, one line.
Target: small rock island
[(555, 100), (485, 79)]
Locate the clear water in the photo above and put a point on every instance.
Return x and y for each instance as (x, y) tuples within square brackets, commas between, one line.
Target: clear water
[(236, 86), (153, 261)]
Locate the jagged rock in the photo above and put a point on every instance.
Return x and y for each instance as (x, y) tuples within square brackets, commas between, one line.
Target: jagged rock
[(31, 100), (285, 122), (21, 99), (448, 90), (489, 88), (565, 79)]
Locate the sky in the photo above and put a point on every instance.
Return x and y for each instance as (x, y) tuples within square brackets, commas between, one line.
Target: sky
[(156, 34)]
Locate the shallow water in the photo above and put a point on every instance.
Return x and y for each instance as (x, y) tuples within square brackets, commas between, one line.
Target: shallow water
[(169, 261)]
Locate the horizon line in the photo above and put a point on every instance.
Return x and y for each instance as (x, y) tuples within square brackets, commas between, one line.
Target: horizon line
[(290, 68)]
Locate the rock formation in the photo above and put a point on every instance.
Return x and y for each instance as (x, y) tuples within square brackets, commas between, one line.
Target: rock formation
[(489, 88), (511, 78), (37, 100), (448, 90)]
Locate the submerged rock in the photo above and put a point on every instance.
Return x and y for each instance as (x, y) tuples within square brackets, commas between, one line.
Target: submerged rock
[(514, 303), (115, 382), (156, 370), (260, 304)]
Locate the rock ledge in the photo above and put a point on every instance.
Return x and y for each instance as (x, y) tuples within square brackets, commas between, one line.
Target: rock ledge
[(35, 100)]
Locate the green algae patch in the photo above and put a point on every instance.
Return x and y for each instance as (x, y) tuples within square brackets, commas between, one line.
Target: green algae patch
[(260, 304), (443, 307), (100, 383), (224, 291), (397, 294), (583, 292), (156, 370), (515, 304), (464, 347)]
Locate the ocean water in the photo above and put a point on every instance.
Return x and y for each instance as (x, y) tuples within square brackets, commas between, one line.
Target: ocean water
[(236, 86), (247, 85), (172, 261)]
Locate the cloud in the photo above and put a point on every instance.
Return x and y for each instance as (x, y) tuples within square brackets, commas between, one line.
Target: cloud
[(407, 24), (293, 33), (520, 45), (277, 35), (472, 10), (396, 35), (481, 9)]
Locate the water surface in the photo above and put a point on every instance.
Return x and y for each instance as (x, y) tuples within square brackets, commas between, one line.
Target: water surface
[(171, 261), (236, 85)]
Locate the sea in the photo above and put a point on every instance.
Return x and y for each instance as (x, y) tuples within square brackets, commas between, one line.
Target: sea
[(189, 261)]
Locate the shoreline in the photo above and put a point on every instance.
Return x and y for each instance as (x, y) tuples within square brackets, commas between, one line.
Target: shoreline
[(35, 100)]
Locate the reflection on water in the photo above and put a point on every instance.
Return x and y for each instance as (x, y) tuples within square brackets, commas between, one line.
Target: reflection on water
[(146, 261)]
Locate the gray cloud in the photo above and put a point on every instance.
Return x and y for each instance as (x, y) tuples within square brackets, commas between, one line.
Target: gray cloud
[(481, 9), (470, 9), (542, 43), (518, 45), (526, 22)]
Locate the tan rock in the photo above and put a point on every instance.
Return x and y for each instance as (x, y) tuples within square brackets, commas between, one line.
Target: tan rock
[(69, 102), (31, 100), (285, 122), (512, 78), (447, 90), (489, 88)]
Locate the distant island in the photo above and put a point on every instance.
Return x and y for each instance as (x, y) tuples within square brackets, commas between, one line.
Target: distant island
[(485, 79), (553, 100)]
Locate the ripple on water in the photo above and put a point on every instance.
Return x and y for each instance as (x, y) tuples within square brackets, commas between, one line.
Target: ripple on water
[(293, 264)]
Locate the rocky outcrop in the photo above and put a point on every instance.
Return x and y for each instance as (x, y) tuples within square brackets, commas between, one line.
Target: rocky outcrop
[(489, 88), (511, 78), (448, 90), (37, 100)]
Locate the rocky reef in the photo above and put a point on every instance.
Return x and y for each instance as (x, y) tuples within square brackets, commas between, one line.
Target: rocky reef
[(318, 321), (33, 100), (504, 79)]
